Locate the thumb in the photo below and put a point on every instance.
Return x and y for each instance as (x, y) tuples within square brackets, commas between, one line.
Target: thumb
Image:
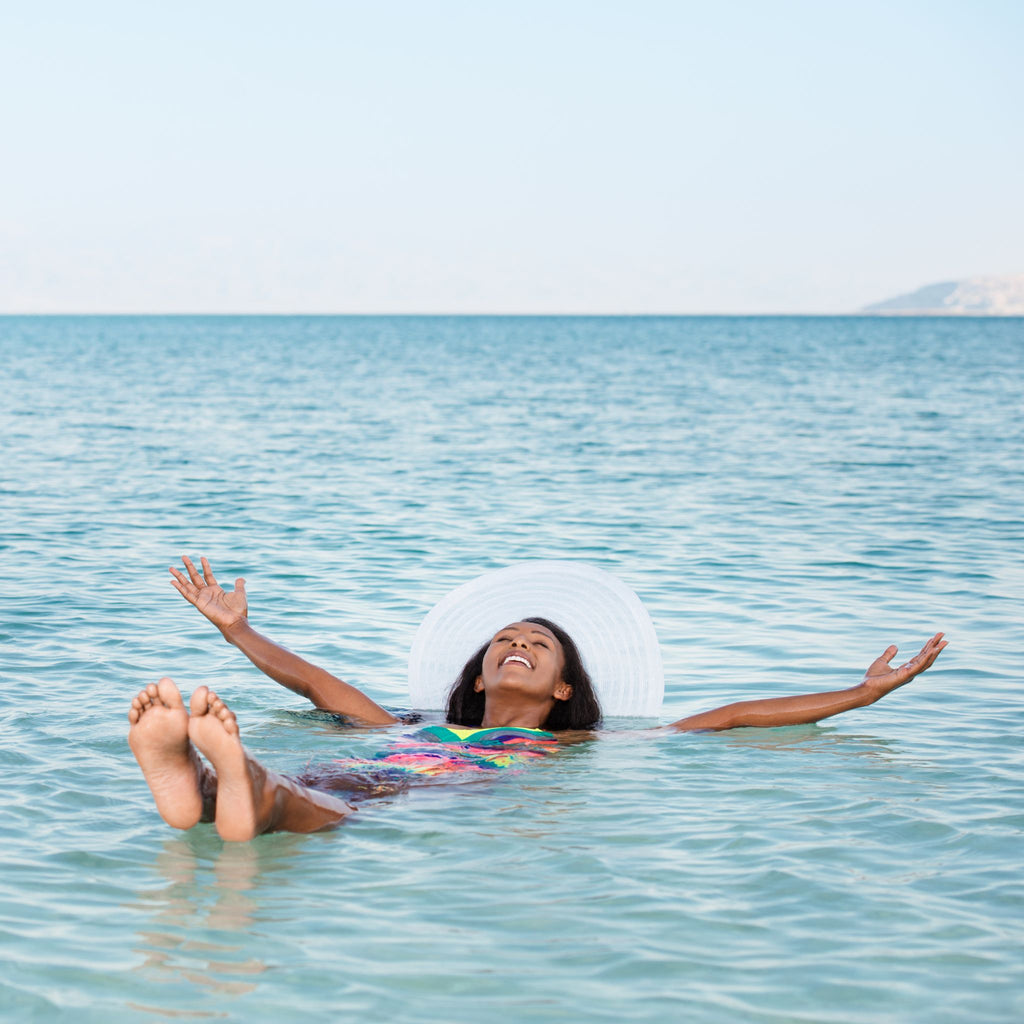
[(240, 586), (881, 664)]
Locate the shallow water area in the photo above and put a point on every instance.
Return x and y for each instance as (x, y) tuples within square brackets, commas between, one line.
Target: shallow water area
[(787, 496)]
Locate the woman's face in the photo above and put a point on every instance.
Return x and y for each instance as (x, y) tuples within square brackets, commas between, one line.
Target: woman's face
[(525, 657)]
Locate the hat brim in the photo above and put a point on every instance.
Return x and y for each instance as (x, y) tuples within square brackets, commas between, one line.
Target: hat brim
[(608, 622)]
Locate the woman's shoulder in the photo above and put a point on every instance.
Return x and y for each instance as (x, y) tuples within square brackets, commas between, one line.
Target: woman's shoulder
[(567, 736)]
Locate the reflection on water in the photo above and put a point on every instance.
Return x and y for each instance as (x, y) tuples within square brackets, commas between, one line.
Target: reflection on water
[(201, 918)]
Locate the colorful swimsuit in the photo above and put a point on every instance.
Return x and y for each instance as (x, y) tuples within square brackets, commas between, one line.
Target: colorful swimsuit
[(447, 749)]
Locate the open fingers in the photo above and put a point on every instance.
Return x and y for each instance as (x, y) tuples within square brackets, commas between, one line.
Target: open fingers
[(176, 573), (183, 586), (208, 572), (926, 657), (931, 651), (193, 573)]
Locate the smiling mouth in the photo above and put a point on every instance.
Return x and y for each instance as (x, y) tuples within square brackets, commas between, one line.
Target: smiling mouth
[(518, 659)]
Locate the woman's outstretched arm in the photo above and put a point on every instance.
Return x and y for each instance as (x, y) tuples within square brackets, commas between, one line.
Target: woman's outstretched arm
[(228, 611), (879, 680)]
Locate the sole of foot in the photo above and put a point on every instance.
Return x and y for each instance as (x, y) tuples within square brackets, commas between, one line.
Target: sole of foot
[(159, 738), (214, 730)]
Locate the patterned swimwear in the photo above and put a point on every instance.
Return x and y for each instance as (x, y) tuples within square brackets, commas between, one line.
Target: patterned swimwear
[(447, 749)]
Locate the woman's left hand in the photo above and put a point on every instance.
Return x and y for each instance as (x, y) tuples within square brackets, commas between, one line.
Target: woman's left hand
[(881, 678)]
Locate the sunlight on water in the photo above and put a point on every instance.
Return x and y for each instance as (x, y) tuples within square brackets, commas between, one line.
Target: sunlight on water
[(788, 496)]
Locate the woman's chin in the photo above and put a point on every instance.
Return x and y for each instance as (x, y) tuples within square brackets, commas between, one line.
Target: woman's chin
[(518, 684)]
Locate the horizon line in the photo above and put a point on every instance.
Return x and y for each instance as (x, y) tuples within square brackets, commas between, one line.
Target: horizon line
[(873, 314)]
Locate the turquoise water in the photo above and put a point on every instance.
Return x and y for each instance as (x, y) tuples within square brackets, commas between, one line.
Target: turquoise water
[(788, 496)]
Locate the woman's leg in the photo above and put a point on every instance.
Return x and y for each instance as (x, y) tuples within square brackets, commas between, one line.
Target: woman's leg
[(182, 786), (252, 799)]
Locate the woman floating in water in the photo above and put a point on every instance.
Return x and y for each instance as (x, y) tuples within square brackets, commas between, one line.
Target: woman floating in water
[(521, 693)]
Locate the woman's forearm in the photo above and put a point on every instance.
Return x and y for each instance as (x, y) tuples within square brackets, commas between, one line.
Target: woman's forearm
[(315, 684), (777, 711), (879, 680)]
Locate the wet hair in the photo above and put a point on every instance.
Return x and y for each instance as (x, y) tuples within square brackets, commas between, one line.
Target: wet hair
[(580, 711)]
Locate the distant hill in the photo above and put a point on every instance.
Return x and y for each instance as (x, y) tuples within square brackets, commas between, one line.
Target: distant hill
[(998, 295)]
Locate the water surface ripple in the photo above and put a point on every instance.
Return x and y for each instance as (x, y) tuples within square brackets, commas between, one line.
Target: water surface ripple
[(788, 496)]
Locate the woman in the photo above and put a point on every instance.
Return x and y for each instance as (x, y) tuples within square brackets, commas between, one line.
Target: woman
[(523, 686)]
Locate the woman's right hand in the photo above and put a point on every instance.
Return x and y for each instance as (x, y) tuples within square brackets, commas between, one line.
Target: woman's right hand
[(223, 608), (229, 613)]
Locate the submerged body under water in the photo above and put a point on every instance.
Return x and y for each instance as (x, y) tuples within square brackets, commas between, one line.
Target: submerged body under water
[(787, 496), (434, 754)]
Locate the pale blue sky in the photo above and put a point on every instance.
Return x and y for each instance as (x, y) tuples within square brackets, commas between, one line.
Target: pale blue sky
[(446, 156)]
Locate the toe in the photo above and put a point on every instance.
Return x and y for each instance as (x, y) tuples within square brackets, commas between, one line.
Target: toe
[(169, 693), (200, 702)]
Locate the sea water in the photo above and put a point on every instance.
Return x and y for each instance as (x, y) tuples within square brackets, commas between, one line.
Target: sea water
[(787, 495)]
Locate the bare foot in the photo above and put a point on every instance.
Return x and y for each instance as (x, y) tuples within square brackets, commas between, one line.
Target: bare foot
[(159, 740), (241, 781), (252, 799)]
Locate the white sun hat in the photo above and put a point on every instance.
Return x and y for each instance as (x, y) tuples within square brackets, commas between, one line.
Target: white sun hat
[(609, 624)]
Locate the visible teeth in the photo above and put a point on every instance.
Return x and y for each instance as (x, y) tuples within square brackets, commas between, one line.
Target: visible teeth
[(516, 657)]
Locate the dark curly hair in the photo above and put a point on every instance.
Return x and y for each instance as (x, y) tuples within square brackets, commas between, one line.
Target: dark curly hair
[(580, 711)]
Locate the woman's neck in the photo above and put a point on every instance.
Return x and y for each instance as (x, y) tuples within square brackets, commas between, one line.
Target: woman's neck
[(509, 714)]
